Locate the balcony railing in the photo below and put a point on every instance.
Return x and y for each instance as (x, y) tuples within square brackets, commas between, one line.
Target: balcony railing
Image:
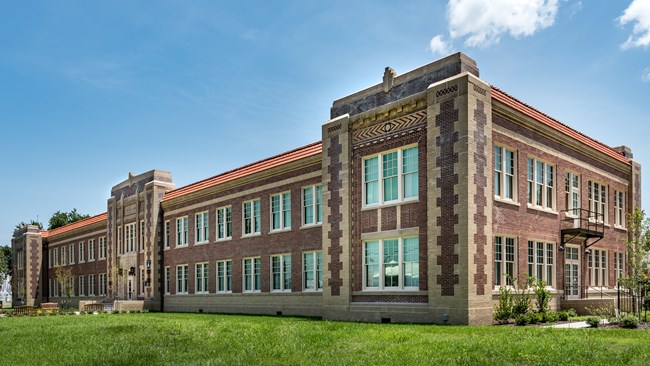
[(579, 220)]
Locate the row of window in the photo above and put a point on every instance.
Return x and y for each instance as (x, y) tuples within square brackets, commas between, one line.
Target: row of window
[(126, 241), (280, 269), (541, 187), (390, 177), (86, 285), (280, 214), (65, 254)]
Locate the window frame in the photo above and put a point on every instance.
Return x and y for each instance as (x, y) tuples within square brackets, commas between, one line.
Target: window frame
[(71, 254), (598, 264), (82, 286), (102, 248), (91, 284), (202, 275), (204, 231), (598, 203), (534, 266), (316, 271), (168, 276), (283, 211), (224, 278), (619, 265), (182, 279), (91, 250), (182, 232), (284, 285), (225, 213), (255, 217), (166, 235), (101, 284), (316, 206), (572, 193), (533, 184), (255, 275), (501, 276), (381, 256), (82, 252), (142, 236), (380, 181), (619, 209), (130, 245), (501, 176)]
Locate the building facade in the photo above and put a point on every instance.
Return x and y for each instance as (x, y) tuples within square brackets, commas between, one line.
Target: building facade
[(427, 193)]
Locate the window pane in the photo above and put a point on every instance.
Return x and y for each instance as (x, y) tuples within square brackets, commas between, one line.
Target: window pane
[(372, 264), (391, 263), (371, 175), (411, 262), (390, 176)]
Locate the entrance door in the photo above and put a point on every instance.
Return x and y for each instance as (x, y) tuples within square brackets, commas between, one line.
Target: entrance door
[(130, 288), (572, 272)]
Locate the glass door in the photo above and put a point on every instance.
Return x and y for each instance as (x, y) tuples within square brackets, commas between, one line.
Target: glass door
[(572, 272)]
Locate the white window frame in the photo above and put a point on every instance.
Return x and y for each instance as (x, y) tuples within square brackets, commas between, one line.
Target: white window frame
[(255, 275), (380, 181), (166, 235), (91, 285), (598, 264), (91, 250), (50, 263), (255, 218), (541, 184), (142, 236), (572, 194), (101, 284), (284, 213), (142, 281), (502, 175), (313, 206), (224, 276), (63, 255), (102, 247), (312, 271), (202, 228), (130, 238), (120, 241), (182, 232), (181, 279), (224, 228), (71, 254), (381, 270), (82, 285), (82, 252), (598, 205), (168, 276), (619, 209), (619, 265), (505, 262), (56, 257), (201, 278), (544, 261), (284, 268)]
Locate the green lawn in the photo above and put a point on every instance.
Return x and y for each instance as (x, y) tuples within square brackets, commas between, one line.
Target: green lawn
[(157, 338)]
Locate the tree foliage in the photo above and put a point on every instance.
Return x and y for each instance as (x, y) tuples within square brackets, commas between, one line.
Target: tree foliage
[(59, 218), (5, 260), (22, 224), (64, 277), (638, 246)]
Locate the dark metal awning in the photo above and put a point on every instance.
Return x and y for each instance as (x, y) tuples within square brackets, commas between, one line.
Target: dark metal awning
[(582, 224)]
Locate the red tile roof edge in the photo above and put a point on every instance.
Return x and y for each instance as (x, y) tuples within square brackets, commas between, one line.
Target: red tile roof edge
[(75, 225), (526, 109), (246, 170)]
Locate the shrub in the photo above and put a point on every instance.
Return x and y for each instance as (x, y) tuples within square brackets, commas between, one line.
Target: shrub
[(629, 321), (543, 295), (572, 313), (521, 319), (563, 315), (550, 317), (503, 310), (593, 321), (534, 318)]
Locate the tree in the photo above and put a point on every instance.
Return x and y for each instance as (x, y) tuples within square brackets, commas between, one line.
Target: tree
[(22, 224), (63, 275), (5, 260), (638, 246), (59, 218)]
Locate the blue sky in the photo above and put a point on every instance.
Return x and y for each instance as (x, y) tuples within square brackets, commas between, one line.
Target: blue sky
[(90, 91)]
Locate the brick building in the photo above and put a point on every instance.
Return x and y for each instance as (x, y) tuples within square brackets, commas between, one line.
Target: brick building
[(426, 193)]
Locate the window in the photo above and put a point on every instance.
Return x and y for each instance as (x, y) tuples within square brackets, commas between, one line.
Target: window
[(541, 188), (597, 202), (312, 271), (91, 250), (82, 291), (63, 261), (56, 257), (91, 285), (390, 176), (224, 223), (541, 259), (619, 265), (129, 237), (252, 275), (619, 209), (71, 257), (201, 226), (504, 260), (49, 259), (143, 281), (252, 217), (312, 206), (392, 264), (102, 247), (281, 211), (504, 173), (281, 272), (181, 232), (201, 278), (166, 236), (181, 279), (55, 284), (102, 284), (21, 260), (120, 243), (224, 276), (572, 193), (168, 274), (82, 252), (142, 236), (598, 268)]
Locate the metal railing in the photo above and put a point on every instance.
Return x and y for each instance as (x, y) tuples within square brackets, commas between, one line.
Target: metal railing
[(580, 218)]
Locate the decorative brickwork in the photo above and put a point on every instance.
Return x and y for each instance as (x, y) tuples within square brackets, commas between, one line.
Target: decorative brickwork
[(389, 218), (334, 219), (448, 238), (480, 181), (412, 299), (395, 125), (33, 266), (369, 221)]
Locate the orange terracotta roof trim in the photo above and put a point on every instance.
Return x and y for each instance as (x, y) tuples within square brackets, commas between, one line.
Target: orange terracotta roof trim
[(259, 166), (75, 225), (503, 97)]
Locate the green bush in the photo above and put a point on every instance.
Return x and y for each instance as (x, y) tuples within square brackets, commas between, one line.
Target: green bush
[(543, 295), (534, 318), (503, 310), (563, 315), (521, 319), (572, 313), (593, 321), (629, 321), (550, 317)]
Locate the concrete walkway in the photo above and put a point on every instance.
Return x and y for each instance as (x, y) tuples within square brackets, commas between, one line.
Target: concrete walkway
[(580, 324)]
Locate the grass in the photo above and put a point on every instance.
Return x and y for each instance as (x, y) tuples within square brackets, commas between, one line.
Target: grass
[(166, 338)]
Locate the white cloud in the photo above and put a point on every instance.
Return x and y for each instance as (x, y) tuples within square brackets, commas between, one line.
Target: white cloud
[(439, 46), (638, 13), (645, 76), (483, 22)]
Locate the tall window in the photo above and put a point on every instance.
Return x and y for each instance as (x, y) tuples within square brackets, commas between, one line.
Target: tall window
[(598, 268), (168, 274), (101, 284), (82, 285), (390, 176), (91, 285), (598, 202), (102, 247), (224, 223), (251, 217), (281, 211), (312, 210), (82, 254), (541, 186), (541, 261), (129, 237), (181, 279), (504, 260), (619, 265), (91, 250), (142, 236), (120, 242), (143, 281), (181, 231), (392, 263), (166, 237), (281, 272), (71, 257), (312, 271), (224, 276), (63, 250), (56, 257), (201, 278), (252, 275), (619, 209), (504, 173), (572, 193), (201, 226)]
